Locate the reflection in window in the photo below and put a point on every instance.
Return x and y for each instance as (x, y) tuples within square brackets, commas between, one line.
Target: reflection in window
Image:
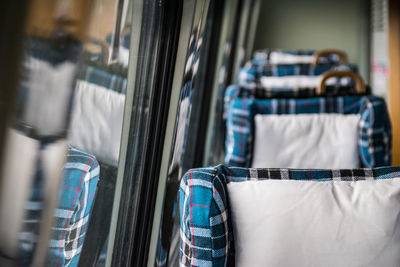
[(168, 251), (63, 143)]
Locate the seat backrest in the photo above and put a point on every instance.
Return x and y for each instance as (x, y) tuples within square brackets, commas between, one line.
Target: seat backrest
[(77, 194), (205, 223), (374, 138)]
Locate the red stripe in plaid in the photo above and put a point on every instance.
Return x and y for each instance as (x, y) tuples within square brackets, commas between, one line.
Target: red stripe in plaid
[(73, 188), (72, 208), (183, 214)]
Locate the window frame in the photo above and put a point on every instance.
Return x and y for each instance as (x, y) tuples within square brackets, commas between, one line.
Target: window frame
[(149, 80)]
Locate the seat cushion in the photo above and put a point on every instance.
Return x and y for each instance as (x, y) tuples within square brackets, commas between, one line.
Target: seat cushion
[(308, 223), (206, 232), (303, 141)]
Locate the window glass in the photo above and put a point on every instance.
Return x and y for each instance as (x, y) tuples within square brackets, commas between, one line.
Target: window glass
[(62, 144)]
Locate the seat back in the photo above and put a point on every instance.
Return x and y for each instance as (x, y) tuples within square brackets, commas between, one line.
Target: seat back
[(206, 231)]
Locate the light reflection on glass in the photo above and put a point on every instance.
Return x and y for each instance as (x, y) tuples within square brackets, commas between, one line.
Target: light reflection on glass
[(67, 126)]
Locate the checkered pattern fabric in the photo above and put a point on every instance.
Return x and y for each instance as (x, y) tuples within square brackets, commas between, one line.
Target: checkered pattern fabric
[(260, 66), (81, 174), (263, 56), (258, 92), (300, 92), (374, 127), (206, 233), (102, 78), (234, 91), (77, 194), (250, 73)]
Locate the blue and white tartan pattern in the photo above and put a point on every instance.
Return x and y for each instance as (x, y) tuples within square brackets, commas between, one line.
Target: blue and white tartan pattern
[(71, 218), (250, 73), (375, 136), (263, 56), (206, 233), (234, 91), (77, 194), (102, 78)]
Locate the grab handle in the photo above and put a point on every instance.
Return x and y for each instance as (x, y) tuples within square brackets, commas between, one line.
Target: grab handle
[(360, 86)]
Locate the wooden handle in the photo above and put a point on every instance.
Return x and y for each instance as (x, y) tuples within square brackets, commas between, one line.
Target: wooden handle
[(322, 53), (360, 86)]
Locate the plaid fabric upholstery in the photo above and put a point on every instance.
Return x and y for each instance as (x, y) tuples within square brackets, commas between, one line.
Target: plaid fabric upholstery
[(300, 92), (81, 174), (263, 56), (260, 66), (234, 91), (206, 234), (250, 74), (102, 78), (374, 127)]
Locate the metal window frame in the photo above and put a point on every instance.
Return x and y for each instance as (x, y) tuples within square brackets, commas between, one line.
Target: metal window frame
[(11, 13), (145, 120), (213, 154), (205, 80), (188, 14)]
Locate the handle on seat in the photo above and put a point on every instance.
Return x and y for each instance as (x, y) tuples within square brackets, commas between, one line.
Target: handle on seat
[(360, 86), (322, 53)]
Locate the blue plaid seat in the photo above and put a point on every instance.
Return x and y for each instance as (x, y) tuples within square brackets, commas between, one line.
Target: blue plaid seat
[(81, 175), (233, 91), (263, 56), (206, 234), (71, 218), (260, 66), (250, 74), (374, 128), (103, 78)]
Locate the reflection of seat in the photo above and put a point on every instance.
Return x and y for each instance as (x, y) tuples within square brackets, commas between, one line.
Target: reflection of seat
[(95, 247), (77, 193), (96, 126), (206, 230)]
